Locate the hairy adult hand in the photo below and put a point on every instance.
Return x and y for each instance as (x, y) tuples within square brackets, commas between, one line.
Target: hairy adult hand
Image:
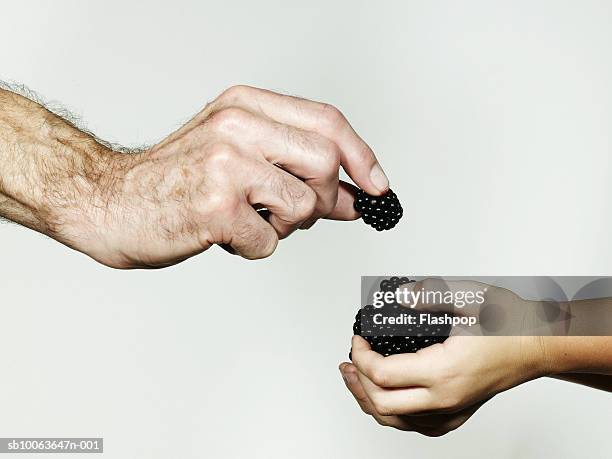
[(248, 149)]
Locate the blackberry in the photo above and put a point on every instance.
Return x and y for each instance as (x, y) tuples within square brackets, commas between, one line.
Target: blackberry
[(392, 284), (389, 339), (380, 212)]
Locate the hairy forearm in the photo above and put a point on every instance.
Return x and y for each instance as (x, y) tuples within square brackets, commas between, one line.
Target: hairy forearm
[(49, 169)]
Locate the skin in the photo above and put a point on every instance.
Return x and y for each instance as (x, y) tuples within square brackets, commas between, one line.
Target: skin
[(437, 389), (248, 149)]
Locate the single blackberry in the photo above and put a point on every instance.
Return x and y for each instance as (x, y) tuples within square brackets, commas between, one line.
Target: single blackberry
[(389, 339), (380, 212)]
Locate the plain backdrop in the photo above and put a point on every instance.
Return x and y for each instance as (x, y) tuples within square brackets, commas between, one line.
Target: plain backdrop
[(493, 121)]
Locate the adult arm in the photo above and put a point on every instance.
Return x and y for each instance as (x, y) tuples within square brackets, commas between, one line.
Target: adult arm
[(200, 186)]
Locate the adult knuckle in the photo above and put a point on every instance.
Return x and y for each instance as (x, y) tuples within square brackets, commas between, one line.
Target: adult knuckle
[(221, 156), (235, 93), (227, 120), (331, 116), (300, 198), (304, 205), (220, 204), (367, 155), (329, 158), (333, 156)]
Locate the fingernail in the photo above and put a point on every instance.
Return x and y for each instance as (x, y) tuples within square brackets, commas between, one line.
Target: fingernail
[(379, 179)]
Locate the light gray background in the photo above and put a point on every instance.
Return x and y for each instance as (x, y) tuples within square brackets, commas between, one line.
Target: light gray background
[(493, 120)]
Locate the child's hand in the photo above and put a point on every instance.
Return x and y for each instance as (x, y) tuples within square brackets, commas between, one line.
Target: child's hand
[(445, 382)]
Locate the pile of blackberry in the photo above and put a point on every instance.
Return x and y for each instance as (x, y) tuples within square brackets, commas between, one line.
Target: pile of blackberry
[(380, 212), (397, 339)]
